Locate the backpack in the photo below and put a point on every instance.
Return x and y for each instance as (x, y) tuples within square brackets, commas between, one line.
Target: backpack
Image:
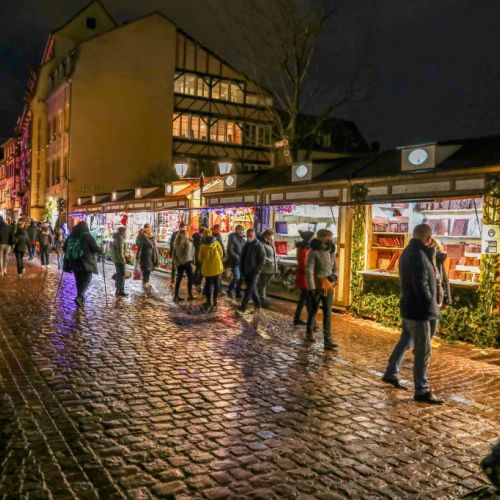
[(74, 250)]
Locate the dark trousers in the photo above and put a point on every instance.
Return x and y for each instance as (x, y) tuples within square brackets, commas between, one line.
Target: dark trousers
[(211, 289), (197, 277), (304, 296), (251, 291), (19, 262), (236, 281), (44, 254), (82, 279), (174, 272), (188, 269), (315, 299), (262, 284), (120, 278), (145, 276), (31, 251)]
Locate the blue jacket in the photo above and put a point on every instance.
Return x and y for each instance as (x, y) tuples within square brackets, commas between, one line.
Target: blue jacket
[(418, 283)]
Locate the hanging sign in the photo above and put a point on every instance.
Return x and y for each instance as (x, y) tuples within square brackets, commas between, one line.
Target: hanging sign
[(490, 239)]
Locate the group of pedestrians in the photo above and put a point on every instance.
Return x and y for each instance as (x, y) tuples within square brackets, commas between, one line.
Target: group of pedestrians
[(24, 237)]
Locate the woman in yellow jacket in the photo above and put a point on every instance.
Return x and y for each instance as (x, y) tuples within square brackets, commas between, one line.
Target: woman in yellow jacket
[(210, 258)]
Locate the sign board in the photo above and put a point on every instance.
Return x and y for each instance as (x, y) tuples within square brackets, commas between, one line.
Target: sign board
[(490, 244)]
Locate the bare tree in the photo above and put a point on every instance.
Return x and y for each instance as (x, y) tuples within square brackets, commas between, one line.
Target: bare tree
[(278, 40)]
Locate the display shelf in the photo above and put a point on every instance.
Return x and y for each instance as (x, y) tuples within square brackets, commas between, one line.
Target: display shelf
[(400, 249), (442, 236), (458, 211), (385, 274), (468, 269), (475, 255), (389, 233)]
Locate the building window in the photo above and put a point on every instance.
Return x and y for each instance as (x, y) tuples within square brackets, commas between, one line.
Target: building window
[(237, 94), (91, 23), (326, 140), (191, 85), (257, 135)]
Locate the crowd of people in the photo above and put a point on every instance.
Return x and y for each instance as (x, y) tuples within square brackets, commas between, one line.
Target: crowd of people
[(252, 261)]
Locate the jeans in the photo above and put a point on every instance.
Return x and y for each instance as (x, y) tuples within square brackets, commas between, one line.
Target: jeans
[(434, 326), (4, 251), (174, 272), (44, 254), (262, 284), (19, 262), (250, 291), (120, 277), (188, 268), (418, 334), (60, 260), (31, 250), (82, 279), (211, 289), (235, 283), (303, 299), (315, 298)]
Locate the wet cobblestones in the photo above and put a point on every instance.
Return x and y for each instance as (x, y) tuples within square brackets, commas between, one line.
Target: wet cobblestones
[(147, 398)]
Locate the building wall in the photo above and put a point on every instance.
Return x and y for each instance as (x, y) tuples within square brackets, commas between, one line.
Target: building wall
[(60, 43), (9, 179), (121, 107)]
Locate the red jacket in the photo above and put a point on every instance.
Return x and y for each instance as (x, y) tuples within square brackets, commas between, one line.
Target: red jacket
[(300, 277)]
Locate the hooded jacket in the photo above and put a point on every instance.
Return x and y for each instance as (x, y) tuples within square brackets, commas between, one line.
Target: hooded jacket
[(234, 247), (210, 257), (320, 264), (32, 231), (87, 263), (21, 240), (44, 238), (5, 233), (147, 252), (118, 249), (418, 284), (270, 264)]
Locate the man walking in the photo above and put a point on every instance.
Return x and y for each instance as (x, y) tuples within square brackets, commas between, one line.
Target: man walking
[(419, 308), (118, 256), (252, 260), (33, 237), (235, 244)]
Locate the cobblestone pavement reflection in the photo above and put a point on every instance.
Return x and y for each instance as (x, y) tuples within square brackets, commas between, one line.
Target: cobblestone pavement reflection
[(147, 398)]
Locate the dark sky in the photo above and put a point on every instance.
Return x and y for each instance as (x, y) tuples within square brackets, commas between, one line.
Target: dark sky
[(434, 64)]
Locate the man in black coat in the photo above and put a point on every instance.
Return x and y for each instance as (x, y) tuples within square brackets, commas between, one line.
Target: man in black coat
[(419, 307), (235, 244), (253, 257), (33, 231)]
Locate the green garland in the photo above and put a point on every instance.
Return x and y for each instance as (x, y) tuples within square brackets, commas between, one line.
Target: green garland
[(474, 315), (358, 195)]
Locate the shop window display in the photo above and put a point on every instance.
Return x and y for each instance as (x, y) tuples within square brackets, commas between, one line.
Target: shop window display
[(456, 225)]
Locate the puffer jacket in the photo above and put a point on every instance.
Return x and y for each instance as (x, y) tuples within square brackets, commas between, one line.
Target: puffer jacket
[(210, 257), (252, 257), (300, 275), (271, 263), (118, 249), (183, 254), (148, 255), (320, 264), (21, 240), (5, 233), (234, 247), (45, 238)]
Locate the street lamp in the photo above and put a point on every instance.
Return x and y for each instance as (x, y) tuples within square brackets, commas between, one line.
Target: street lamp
[(225, 167), (181, 169)]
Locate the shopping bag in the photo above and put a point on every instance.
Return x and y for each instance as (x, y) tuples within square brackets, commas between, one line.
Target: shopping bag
[(137, 273)]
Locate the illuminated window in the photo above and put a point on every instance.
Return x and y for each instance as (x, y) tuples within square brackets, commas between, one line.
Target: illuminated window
[(189, 84), (176, 128), (203, 88), (194, 130), (257, 135), (179, 84), (236, 93), (203, 130), (184, 126)]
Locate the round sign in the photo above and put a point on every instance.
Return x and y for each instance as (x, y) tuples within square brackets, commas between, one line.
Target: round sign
[(418, 156), (169, 188), (229, 180), (301, 171)]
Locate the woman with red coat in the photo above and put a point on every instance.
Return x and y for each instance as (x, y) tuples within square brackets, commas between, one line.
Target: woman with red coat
[(300, 277)]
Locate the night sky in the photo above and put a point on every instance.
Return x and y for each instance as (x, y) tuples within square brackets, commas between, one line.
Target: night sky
[(434, 65)]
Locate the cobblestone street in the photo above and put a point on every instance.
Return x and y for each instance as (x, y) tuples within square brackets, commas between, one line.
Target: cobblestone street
[(147, 398)]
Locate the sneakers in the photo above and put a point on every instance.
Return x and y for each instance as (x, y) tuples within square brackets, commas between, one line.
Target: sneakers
[(429, 398), (121, 294), (394, 382), (298, 322), (191, 297)]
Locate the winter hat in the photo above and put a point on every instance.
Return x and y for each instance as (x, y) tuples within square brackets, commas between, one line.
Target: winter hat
[(306, 235)]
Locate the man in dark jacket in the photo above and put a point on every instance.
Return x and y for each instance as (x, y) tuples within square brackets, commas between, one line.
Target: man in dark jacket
[(235, 244), (252, 261), (419, 307), (197, 278), (21, 240), (6, 240), (182, 225), (33, 237), (86, 264)]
